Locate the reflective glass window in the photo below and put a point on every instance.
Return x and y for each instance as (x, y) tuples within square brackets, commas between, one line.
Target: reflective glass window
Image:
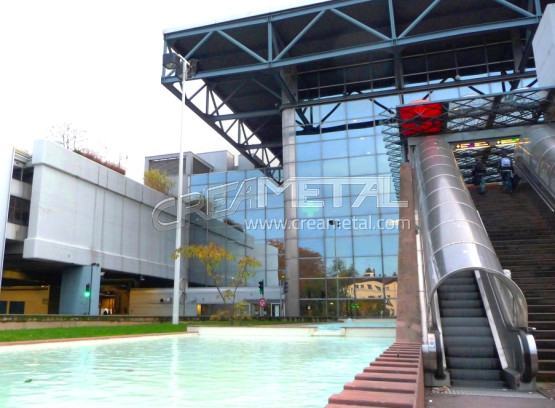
[(362, 146), (363, 166), (335, 167), (314, 245), (308, 151), (367, 246), (370, 266), (331, 134), (390, 265), (309, 169), (311, 267), (334, 149)]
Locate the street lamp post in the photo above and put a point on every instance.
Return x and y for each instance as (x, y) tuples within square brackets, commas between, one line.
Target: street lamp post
[(336, 224), (174, 61)]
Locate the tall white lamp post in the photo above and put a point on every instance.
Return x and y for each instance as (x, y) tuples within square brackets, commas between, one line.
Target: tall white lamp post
[(176, 62)]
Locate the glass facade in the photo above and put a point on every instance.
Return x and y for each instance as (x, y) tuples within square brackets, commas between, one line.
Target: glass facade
[(237, 222), (347, 240)]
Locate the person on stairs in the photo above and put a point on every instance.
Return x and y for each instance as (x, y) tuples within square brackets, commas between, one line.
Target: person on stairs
[(479, 171), (506, 171)]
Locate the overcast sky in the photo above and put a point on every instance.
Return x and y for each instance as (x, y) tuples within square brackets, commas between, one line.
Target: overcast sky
[(97, 65)]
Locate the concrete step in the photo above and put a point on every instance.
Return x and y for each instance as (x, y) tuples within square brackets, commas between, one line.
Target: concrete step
[(372, 398)]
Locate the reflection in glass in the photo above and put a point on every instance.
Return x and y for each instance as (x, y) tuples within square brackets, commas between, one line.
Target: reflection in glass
[(334, 149)]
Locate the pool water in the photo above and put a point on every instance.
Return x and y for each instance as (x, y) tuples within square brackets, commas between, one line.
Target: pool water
[(184, 371)]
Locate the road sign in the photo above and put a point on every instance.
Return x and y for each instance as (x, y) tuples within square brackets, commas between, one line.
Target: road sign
[(262, 302)]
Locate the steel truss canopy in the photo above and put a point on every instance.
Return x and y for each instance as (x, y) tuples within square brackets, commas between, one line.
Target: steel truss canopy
[(343, 50)]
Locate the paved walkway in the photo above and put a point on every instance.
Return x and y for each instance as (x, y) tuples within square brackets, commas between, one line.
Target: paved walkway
[(480, 398)]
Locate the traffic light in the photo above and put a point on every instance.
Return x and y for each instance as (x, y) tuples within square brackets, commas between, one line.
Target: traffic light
[(87, 290), (261, 287), (285, 286)]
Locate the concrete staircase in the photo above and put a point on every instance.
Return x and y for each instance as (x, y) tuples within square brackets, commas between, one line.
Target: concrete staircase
[(394, 379), (522, 230)]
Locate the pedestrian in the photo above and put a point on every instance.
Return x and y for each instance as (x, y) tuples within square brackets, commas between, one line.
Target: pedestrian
[(479, 172), (506, 171)]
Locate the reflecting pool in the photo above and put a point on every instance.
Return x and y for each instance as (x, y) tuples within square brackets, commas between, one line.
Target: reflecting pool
[(184, 371)]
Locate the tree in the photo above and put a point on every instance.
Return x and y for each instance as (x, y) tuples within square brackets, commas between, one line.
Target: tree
[(158, 181), (68, 136), (211, 256)]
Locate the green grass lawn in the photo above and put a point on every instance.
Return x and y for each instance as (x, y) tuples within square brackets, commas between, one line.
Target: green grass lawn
[(88, 331), (102, 331)]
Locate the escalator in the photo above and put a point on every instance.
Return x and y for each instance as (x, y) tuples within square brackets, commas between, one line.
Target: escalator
[(476, 323), (470, 351)]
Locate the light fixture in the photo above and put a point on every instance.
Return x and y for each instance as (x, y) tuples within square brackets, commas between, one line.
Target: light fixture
[(171, 61)]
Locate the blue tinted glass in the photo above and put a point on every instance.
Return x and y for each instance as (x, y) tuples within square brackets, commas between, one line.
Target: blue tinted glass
[(309, 169), (308, 151), (333, 112), (362, 146), (334, 149), (235, 176), (339, 247), (302, 138), (214, 178), (332, 134), (367, 246), (335, 167), (383, 164), (359, 109), (313, 245), (363, 166), (390, 265), (390, 244), (199, 179)]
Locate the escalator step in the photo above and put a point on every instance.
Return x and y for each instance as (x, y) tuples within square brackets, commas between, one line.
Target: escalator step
[(460, 312), (467, 331), (459, 296), (475, 352), (464, 322), (447, 287), (463, 303), (476, 375), (469, 341), (478, 384), (473, 363)]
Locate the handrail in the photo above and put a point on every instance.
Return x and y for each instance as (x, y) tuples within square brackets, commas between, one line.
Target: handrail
[(454, 240)]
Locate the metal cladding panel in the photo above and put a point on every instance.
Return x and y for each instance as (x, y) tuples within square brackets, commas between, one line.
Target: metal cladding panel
[(454, 237), (537, 150)]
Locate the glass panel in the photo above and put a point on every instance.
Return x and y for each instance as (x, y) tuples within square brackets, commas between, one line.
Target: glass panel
[(312, 288), (334, 149), (390, 265), (313, 308), (311, 267), (335, 167), (314, 245), (333, 112), (336, 266), (200, 179), (217, 178), (339, 247), (366, 246), (359, 109), (332, 133), (383, 164), (309, 169), (363, 166), (308, 151), (362, 146), (390, 244), (370, 266)]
